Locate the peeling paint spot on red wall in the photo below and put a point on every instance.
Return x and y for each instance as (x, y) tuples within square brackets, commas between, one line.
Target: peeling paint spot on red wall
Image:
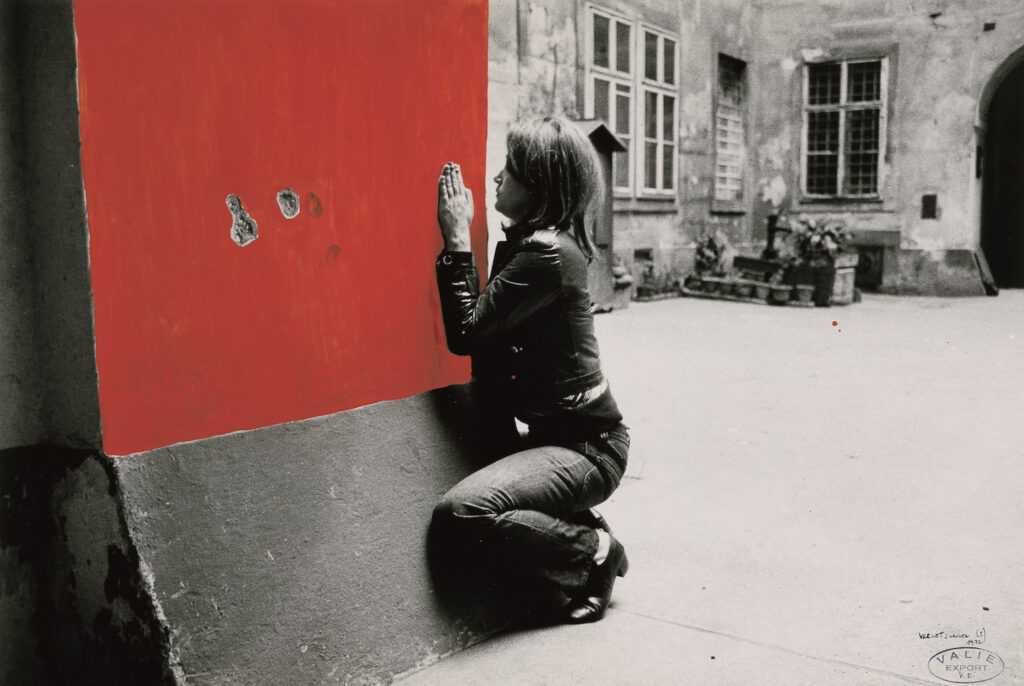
[(358, 105), (244, 229), (288, 201)]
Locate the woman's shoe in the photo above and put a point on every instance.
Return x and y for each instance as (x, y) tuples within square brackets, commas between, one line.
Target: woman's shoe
[(596, 595)]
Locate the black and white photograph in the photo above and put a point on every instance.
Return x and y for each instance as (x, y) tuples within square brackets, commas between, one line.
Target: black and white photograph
[(511, 342)]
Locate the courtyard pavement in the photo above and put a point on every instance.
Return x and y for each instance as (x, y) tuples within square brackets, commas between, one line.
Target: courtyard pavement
[(819, 496)]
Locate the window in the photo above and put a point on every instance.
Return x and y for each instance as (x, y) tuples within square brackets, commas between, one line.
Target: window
[(659, 113), (611, 87), (631, 84), (730, 137), (843, 128)]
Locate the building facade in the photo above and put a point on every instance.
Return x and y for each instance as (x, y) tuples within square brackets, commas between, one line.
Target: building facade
[(871, 113)]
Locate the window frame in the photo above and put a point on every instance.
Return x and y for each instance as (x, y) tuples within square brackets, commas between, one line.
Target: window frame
[(843, 108), (731, 205), (614, 78), (638, 83), (661, 89)]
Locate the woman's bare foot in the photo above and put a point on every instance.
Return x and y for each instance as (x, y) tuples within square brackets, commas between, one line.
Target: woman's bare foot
[(454, 208)]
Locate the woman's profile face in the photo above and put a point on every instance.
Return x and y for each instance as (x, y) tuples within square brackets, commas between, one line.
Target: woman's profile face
[(512, 198)]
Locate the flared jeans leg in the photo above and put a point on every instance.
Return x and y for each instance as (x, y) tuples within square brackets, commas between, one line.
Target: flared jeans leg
[(515, 510)]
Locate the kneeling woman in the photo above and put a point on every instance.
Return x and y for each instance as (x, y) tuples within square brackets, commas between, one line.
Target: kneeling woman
[(530, 333)]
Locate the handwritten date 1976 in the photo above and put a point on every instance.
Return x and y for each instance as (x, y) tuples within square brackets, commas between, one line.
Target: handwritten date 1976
[(976, 640)]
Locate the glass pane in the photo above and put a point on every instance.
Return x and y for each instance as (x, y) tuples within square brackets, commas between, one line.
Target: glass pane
[(823, 132), (862, 131), (668, 123), (651, 165), (822, 152), (601, 110), (862, 174), (622, 119), (862, 146), (669, 50), (651, 115), (668, 156), (651, 56), (822, 174), (823, 84), (864, 82), (622, 46), (601, 41), (620, 163)]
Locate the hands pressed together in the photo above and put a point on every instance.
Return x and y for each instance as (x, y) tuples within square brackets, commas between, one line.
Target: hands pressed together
[(454, 209)]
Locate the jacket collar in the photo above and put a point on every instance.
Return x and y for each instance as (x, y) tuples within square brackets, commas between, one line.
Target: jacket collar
[(516, 232)]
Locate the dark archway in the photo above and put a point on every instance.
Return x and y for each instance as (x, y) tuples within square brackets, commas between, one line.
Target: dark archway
[(1002, 204)]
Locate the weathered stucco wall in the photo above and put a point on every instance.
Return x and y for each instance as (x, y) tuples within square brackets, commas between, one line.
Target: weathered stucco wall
[(54, 204), (533, 70), (20, 392), (47, 364), (708, 30), (298, 554), (940, 59), (536, 67), (75, 608), (942, 56)]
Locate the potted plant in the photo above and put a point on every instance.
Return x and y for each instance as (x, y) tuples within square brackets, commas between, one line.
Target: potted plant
[(762, 290), (780, 292), (708, 260), (692, 282), (821, 259), (621, 277), (710, 284), (804, 292), (646, 286)]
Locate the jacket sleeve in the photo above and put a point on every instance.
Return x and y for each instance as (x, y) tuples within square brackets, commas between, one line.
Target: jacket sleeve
[(527, 284)]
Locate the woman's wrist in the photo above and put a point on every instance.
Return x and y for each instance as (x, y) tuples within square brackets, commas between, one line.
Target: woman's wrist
[(458, 244)]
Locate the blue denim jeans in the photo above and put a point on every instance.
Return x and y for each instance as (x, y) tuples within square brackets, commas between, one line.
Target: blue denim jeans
[(519, 509)]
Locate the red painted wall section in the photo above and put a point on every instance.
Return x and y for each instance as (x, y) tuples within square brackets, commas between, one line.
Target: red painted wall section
[(355, 105)]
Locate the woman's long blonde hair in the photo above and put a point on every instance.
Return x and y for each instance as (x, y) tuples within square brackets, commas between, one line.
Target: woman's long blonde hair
[(558, 164)]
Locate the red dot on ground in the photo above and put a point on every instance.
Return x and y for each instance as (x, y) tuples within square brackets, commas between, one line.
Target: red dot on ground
[(835, 323)]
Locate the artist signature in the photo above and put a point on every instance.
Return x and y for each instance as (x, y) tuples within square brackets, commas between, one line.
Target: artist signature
[(975, 639)]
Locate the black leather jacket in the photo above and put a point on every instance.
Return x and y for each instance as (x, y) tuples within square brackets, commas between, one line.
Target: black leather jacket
[(531, 331)]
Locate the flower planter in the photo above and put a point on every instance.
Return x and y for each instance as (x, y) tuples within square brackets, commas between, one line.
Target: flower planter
[(781, 293), (692, 282), (727, 287), (832, 280), (710, 284), (743, 288), (804, 292), (761, 290)]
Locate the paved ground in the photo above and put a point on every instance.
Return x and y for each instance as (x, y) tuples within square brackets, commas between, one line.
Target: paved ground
[(814, 497)]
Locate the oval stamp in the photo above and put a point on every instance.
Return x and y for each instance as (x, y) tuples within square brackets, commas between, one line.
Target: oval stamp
[(965, 665)]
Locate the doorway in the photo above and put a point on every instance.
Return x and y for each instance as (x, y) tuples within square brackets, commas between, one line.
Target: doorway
[(1002, 202)]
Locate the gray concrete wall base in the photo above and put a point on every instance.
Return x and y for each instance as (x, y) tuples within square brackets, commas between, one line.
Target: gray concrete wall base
[(299, 553), (945, 273), (73, 606)]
